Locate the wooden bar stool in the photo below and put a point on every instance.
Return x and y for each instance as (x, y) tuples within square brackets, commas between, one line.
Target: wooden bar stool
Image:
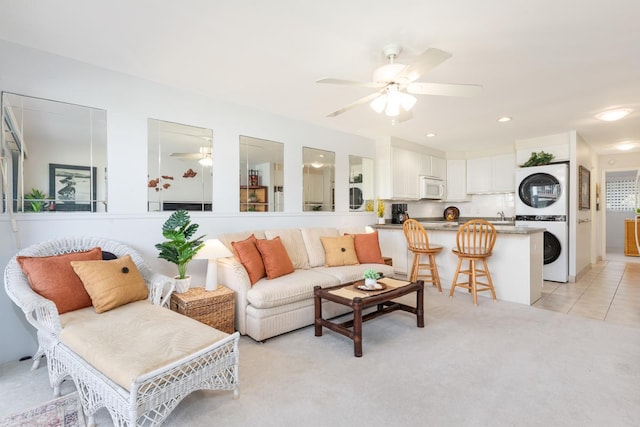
[(418, 243), (475, 241)]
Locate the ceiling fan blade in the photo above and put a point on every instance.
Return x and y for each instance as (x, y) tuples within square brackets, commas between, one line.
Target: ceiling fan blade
[(404, 116), (354, 104), (348, 82), (428, 60), (444, 89)]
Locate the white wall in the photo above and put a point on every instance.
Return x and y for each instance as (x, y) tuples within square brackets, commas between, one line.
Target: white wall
[(129, 102)]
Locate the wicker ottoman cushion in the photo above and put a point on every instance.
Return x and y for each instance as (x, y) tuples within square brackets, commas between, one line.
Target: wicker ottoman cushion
[(134, 339)]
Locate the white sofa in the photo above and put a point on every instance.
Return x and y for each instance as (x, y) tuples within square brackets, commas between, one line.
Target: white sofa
[(274, 306)]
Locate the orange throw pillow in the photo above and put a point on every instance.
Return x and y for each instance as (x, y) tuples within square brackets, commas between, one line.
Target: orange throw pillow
[(248, 254), (275, 257), (368, 248), (54, 278)]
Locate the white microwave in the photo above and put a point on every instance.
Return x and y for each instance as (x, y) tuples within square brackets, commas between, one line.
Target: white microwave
[(431, 188)]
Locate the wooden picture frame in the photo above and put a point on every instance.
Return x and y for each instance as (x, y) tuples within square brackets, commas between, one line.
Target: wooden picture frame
[(73, 187), (584, 188)]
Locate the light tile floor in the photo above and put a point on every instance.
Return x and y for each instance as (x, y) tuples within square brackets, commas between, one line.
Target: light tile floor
[(610, 291)]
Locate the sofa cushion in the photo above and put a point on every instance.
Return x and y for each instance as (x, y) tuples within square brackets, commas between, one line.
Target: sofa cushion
[(134, 339), (368, 248), (339, 251), (315, 250), (227, 238), (275, 257), (293, 243), (351, 273), (293, 287), (247, 252), (111, 283), (64, 287)]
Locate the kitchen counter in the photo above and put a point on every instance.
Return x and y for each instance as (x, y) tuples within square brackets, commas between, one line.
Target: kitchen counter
[(446, 226), (516, 263)]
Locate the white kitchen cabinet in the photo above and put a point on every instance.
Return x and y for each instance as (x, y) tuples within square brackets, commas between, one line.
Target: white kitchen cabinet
[(432, 166), (457, 181), (495, 174), (393, 244), (438, 167), (399, 165), (503, 170), (425, 165), (479, 175)]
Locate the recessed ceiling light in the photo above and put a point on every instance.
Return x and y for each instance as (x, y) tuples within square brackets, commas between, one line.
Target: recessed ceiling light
[(625, 146), (613, 115), (504, 119), (430, 135)]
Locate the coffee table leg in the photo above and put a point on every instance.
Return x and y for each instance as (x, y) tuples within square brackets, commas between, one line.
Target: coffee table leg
[(317, 302), (420, 304), (357, 327)]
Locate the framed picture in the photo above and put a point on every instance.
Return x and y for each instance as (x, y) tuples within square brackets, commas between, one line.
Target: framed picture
[(73, 187), (584, 190)]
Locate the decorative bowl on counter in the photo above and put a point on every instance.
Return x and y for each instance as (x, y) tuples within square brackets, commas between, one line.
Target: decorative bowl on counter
[(451, 213)]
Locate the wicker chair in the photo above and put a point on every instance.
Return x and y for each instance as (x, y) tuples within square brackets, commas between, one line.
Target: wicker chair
[(152, 396)]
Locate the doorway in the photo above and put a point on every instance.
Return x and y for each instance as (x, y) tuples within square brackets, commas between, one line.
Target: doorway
[(620, 202)]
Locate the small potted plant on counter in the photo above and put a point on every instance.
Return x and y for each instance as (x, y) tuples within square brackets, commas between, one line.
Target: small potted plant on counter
[(380, 212), (179, 248)]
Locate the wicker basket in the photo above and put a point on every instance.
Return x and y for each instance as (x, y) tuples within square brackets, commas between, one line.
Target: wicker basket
[(213, 308)]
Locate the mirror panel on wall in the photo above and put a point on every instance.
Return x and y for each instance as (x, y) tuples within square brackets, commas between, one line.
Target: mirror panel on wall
[(180, 167), (261, 175), (54, 155), (318, 180), (360, 184)]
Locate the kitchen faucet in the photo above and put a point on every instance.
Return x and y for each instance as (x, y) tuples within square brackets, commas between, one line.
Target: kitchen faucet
[(501, 215)]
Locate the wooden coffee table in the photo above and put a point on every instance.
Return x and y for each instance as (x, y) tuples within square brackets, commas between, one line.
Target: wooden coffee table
[(358, 300)]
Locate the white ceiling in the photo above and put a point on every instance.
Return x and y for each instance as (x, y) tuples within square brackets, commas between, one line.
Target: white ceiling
[(549, 64)]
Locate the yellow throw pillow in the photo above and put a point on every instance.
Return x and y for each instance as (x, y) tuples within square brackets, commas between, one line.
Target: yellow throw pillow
[(112, 283), (339, 251)]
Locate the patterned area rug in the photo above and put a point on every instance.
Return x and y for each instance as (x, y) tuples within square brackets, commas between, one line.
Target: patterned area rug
[(64, 411)]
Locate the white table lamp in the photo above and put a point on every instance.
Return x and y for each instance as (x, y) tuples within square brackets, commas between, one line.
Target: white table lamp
[(211, 251)]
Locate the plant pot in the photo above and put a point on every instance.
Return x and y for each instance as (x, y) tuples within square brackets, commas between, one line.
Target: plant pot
[(370, 283), (381, 221), (182, 285)]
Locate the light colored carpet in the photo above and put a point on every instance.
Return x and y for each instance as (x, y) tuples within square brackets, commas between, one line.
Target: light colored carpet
[(497, 364), (64, 411)]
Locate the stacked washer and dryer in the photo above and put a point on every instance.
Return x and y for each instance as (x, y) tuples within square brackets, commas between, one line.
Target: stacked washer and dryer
[(542, 200)]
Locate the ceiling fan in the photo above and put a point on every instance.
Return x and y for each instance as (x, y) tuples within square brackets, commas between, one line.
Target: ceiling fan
[(203, 156), (395, 82)]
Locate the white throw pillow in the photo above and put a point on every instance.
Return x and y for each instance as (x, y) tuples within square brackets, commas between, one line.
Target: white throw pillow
[(292, 240), (312, 242)]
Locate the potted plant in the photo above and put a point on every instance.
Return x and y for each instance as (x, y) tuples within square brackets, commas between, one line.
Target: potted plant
[(179, 248), (38, 200), (380, 212), (370, 277), (539, 159)]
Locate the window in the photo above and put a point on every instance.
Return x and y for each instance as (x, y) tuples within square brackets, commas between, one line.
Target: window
[(621, 193)]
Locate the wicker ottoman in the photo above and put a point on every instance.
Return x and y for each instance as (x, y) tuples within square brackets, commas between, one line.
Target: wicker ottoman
[(213, 308)]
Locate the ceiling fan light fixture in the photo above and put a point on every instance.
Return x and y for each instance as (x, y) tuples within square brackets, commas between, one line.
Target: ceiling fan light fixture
[(206, 162), (379, 103), (407, 101)]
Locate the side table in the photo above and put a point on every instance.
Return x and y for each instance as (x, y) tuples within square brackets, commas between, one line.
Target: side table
[(213, 308)]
